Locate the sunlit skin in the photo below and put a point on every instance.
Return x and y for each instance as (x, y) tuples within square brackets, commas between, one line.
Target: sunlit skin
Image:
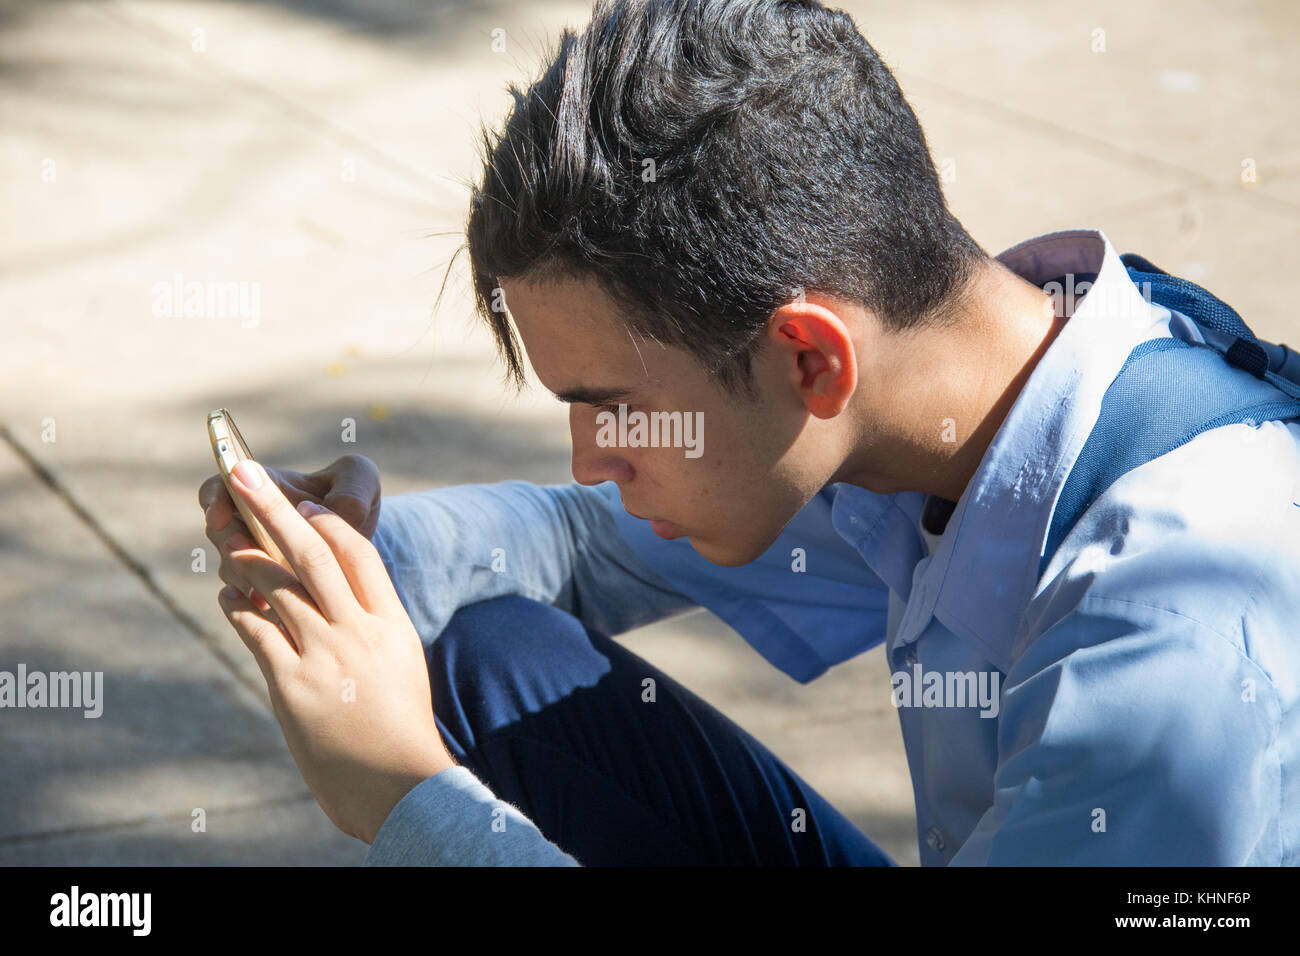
[(840, 398)]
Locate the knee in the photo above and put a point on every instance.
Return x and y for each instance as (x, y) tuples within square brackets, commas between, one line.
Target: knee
[(502, 659), (502, 630)]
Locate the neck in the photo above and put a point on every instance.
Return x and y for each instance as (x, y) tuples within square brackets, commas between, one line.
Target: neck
[(970, 368)]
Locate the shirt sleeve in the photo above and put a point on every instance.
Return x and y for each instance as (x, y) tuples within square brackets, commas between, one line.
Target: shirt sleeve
[(1132, 734), (452, 819), (449, 547), (558, 544)]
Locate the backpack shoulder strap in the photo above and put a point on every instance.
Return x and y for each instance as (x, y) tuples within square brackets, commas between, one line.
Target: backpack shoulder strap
[(1170, 390), (1219, 322)]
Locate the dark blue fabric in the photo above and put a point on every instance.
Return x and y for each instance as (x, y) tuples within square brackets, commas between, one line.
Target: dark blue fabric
[(1167, 393), (1185, 296), (550, 717)]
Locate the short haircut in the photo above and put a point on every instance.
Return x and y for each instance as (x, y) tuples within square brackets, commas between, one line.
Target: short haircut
[(705, 161)]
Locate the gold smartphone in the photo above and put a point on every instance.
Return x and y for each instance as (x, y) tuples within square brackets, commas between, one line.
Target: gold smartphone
[(229, 449)]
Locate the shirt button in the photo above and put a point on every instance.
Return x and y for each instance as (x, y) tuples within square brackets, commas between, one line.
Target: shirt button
[(934, 837)]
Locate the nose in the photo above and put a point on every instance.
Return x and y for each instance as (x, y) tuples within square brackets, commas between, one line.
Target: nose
[(591, 463)]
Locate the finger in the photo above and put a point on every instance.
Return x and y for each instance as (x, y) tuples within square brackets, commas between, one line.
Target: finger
[(273, 650), (358, 558), (295, 485), (220, 528), (235, 536), (348, 507), (215, 502), (290, 604), (208, 490), (218, 521), (228, 573), (354, 490), (224, 522), (306, 551), (220, 536)]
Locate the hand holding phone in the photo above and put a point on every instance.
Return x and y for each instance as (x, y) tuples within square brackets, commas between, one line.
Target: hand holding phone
[(349, 486), (359, 759), (229, 448)]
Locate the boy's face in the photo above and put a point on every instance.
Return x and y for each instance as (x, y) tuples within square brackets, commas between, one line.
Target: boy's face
[(753, 464)]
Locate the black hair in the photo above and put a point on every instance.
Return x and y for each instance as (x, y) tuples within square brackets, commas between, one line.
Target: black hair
[(706, 160)]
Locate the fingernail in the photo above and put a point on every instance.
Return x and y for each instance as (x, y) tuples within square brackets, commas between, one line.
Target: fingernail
[(230, 592), (249, 474), (308, 508)]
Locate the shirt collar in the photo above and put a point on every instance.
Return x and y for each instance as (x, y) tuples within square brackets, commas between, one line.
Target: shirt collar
[(984, 572)]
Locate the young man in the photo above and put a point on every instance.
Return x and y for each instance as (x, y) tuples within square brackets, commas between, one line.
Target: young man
[(723, 217)]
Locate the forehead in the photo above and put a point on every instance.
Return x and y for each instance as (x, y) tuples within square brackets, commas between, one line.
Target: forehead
[(574, 335)]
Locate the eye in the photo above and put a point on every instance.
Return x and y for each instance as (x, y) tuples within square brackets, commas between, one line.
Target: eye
[(613, 409)]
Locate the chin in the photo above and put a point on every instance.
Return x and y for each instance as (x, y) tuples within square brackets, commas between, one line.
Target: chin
[(724, 556)]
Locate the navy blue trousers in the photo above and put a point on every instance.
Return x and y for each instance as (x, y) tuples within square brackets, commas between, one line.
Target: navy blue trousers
[(558, 720)]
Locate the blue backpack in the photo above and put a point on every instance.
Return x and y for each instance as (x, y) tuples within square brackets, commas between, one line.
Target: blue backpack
[(1169, 391)]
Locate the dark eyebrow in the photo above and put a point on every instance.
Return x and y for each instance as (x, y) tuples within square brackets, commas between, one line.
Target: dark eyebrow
[(593, 396)]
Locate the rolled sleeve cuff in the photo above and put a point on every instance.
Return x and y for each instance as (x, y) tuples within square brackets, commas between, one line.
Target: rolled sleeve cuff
[(452, 819)]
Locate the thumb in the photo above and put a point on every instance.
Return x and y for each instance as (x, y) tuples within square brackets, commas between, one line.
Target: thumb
[(350, 501), (352, 492)]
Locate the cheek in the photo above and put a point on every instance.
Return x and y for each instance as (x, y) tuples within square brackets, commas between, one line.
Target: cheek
[(717, 491)]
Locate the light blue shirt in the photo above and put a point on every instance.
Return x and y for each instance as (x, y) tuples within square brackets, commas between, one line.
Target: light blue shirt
[(1134, 706)]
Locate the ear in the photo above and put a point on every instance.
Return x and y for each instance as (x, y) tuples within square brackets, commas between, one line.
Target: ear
[(812, 342)]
